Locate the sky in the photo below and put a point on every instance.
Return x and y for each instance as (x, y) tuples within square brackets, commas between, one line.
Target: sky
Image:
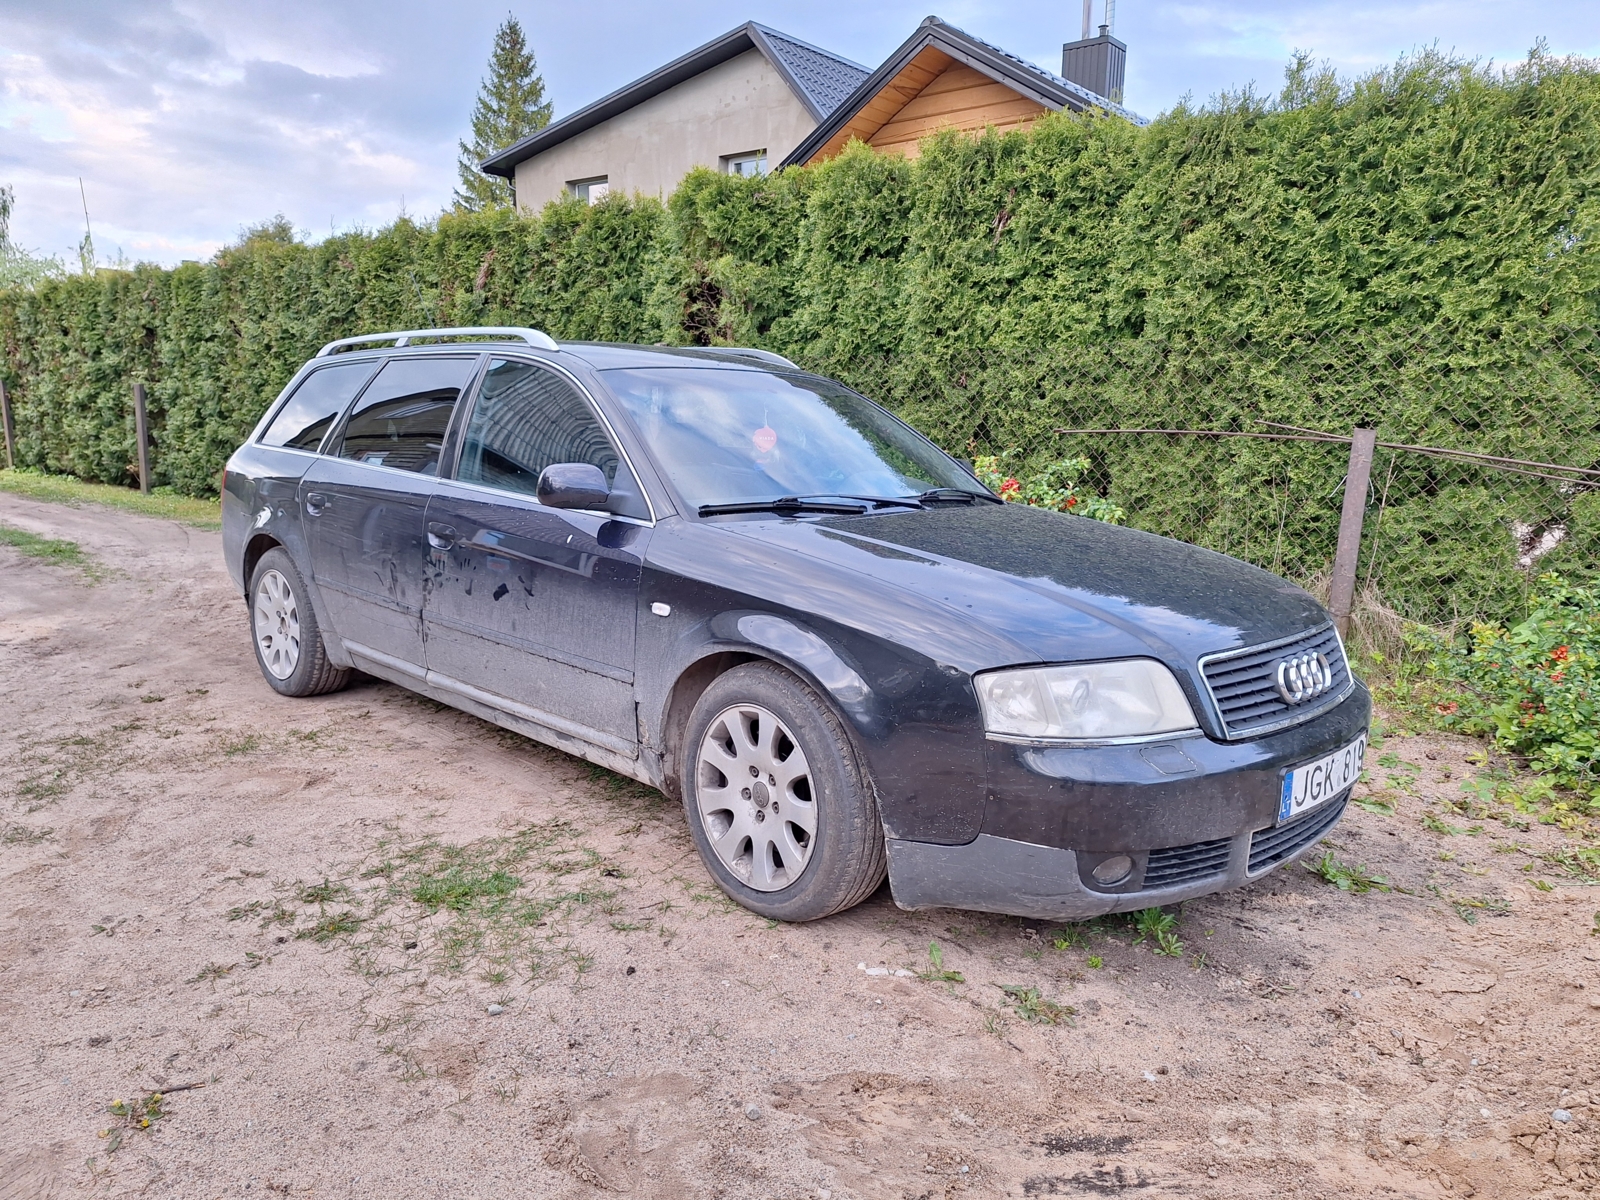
[(188, 120)]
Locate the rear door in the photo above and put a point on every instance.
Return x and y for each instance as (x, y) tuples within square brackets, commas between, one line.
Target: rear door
[(364, 504), (537, 605)]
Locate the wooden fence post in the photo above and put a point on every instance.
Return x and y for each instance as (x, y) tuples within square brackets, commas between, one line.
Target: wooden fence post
[(141, 433), (11, 429), (1342, 592)]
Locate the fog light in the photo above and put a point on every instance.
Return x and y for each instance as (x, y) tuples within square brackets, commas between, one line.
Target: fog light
[(1113, 870)]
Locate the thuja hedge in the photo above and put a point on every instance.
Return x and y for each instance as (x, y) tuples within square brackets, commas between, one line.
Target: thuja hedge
[(1414, 248)]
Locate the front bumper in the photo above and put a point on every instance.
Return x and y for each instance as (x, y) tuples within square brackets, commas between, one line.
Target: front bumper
[(1195, 816)]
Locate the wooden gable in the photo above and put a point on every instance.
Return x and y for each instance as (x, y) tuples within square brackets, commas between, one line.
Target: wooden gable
[(931, 92)]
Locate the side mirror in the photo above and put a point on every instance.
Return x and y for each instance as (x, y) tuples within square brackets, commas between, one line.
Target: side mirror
[(573, 485)]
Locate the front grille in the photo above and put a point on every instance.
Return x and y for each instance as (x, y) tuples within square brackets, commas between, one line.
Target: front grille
[(1244, 684), (1269, 847), (1186, 864)]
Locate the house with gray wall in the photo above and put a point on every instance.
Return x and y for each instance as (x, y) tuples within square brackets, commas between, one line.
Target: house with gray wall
[(738, 104)]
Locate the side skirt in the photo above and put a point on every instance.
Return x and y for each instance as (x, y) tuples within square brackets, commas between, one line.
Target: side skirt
[(612, 753)]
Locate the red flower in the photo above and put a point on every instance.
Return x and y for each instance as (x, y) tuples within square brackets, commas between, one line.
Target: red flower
[(1009, 489), (1555, 676), (1559, 654), (1449, 708), (1071, 500)]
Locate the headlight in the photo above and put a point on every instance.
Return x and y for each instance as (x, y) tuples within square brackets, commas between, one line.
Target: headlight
[(1136, 697)]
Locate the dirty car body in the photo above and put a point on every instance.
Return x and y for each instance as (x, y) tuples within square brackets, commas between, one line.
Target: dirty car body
[(595, 630)]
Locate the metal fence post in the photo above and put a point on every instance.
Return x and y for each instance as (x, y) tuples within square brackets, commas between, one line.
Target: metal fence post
[(11, 429), (1342, 591), (141, 433)]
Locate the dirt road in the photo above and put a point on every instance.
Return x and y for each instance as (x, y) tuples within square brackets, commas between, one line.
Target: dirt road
[(408, 954)]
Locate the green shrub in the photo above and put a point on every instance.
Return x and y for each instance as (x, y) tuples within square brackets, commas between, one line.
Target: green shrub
[(1533, 687)]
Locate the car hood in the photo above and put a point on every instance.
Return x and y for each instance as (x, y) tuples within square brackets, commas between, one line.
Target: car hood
[(1058, 587)]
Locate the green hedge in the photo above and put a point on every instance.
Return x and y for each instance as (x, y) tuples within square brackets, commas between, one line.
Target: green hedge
[(1415, 248)]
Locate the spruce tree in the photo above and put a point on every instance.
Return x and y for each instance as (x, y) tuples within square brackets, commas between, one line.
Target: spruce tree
[(510, 106)]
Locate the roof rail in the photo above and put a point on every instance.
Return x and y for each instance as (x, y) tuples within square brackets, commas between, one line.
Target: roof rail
[(534, 337), (766, 356)]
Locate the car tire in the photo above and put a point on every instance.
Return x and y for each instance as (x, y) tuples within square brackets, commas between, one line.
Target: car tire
[(779, 806), (284, 631)]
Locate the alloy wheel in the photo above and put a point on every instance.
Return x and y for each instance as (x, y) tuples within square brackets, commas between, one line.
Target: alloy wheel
[(277, 625), (755, 798)]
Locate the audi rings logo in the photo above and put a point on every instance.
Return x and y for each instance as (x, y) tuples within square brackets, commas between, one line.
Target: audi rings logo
[(1303, 677)]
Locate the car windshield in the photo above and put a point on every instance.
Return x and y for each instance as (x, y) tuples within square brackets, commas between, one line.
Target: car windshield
[(728, 435)]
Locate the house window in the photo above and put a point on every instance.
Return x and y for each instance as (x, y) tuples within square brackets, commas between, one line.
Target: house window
[(590, 191), (752, 163)]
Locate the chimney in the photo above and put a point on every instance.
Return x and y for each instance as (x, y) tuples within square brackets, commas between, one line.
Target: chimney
[(1096, 63)]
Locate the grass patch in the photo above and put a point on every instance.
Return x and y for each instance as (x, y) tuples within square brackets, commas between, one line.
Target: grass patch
[(64, 489), (499, 907), (458, 888), (56, 551)]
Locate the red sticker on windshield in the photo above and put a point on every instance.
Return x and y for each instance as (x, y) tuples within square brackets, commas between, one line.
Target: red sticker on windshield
[(765, 438)]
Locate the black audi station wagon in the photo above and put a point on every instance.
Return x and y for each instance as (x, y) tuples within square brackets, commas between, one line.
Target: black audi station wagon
[(753, 589)]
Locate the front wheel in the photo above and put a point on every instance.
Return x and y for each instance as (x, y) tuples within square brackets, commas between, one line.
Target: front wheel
[(284, 631), (778, 804)]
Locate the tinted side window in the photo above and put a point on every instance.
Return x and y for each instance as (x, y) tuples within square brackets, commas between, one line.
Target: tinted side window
[(401, 419), (316, 404), (525, 419)]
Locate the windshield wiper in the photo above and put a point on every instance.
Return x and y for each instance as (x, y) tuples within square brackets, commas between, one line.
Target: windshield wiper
[(783, 506), (956, 495), (881, 501)]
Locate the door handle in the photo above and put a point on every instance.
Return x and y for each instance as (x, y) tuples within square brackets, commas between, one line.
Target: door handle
[(441, 537), (315, 503)]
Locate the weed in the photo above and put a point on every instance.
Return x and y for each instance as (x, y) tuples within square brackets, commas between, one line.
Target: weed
[(1374, 805), (132, 1115), (330, 925), (240, 912), (210, 973), (22, 835), (1434, 825), (993, 1024), (322, 893), (1094, 962), (935, 972), (249, 743), (1151, 923), (1346, 878), (1030, 1004), (1167, 943), (1469, 907), (631, 926), (1069, 938), (1595, 932)]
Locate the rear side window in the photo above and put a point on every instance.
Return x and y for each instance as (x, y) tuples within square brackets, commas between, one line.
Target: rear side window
[(525, 419), (304, 421), (401, 419)]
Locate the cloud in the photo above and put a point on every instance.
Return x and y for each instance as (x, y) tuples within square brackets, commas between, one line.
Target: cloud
[(190, 119)]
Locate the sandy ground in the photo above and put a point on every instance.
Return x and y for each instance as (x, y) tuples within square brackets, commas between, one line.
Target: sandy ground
[(310, 906)]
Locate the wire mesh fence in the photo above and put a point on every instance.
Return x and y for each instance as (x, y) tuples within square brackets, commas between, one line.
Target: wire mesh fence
[(1486, 470)]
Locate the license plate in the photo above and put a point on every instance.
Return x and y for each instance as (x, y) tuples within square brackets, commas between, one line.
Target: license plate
[(1311, 784)]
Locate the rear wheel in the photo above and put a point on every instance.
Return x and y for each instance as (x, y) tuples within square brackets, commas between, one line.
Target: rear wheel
[(284, 631), (778, 804)]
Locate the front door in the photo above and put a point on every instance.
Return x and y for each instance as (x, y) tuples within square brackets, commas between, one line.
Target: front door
[(532, 604), (364, 507)]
